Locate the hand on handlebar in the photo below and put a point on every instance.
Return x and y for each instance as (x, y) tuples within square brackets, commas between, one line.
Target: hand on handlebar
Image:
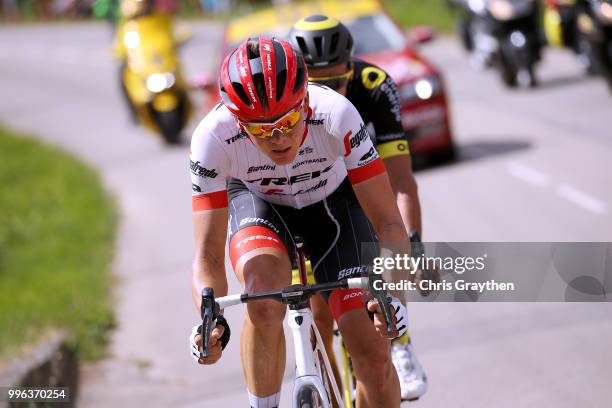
[(399, 318), (215, 348)]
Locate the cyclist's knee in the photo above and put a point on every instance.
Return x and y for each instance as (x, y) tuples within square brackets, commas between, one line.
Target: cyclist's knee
[(261, 273), (266, 315), (375, 357)]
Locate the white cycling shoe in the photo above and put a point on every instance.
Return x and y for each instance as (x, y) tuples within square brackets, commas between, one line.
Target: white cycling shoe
[(412, 378)]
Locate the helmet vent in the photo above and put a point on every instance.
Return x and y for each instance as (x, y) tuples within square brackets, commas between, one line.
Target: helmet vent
[(302, 45), (300, 76), (318, 42), (239, 89), (334, 43), (260, 87), (281, 79)]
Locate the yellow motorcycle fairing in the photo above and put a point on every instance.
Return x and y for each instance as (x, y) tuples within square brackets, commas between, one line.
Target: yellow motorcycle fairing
[(147, 46), (165, 101), (552, 27)]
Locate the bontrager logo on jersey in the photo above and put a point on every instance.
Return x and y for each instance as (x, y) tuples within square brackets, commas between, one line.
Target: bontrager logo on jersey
[(257, 220), (253, 169), (352, 295), (309, 161), (235, 138), (355, 271), (200, 171), (352, 142), (284, 181)]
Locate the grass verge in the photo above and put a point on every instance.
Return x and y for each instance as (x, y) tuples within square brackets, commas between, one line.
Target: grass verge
[(57, 230), (410, 13)]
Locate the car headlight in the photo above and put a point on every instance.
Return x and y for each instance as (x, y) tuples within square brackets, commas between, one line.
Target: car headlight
[(131, 39), (158, 82), (422, 89)]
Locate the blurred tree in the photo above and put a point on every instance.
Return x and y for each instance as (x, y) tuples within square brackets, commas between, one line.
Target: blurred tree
[(9, 9)]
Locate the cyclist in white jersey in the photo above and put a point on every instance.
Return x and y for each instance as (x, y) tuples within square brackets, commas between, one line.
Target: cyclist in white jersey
[(279, 158)]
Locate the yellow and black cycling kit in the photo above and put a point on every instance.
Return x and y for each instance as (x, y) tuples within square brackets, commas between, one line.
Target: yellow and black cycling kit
[(375, 95)]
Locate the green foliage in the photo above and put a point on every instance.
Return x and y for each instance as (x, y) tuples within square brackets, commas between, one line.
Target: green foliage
[(410, 13), (57, 229)]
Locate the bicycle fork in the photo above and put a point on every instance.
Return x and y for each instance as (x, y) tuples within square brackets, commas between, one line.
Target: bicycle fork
[(308, 372)]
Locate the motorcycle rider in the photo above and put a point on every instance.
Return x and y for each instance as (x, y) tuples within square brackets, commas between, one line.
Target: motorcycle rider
[(375, 95)]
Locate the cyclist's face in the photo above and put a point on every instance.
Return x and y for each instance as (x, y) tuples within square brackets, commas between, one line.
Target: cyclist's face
[(336, 77), (281, 147)]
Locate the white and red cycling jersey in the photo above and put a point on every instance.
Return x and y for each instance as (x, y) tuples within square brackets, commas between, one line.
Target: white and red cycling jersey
[(335, 144)]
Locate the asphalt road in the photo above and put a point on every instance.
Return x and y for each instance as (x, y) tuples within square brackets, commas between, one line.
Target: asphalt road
[(534, 166)]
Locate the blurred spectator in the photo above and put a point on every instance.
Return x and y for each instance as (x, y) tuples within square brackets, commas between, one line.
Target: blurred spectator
[(216, 6), (9, 9), (166, 6)]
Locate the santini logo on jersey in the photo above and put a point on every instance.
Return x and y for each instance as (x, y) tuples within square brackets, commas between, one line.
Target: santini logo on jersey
[(253, 169), (257, 221), (284, 181), (200, 171), (352, 142)]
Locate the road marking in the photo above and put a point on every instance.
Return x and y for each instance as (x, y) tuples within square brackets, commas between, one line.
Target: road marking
[(528, 174), (582, 199)]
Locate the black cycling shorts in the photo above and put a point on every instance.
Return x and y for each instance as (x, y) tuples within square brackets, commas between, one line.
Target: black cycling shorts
[(332, 229)]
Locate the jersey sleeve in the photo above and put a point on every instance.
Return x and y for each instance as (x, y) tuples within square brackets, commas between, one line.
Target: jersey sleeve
[(209, 169), (361, 158), (391, 139)]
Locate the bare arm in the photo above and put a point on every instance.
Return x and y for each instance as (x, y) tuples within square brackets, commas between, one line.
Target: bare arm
[(376, 198), (210, 228), (405, 189)]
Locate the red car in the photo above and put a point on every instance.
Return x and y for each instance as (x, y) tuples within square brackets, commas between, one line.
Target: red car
[(378, 40)]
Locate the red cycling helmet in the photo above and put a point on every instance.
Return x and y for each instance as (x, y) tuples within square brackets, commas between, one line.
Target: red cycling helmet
[(262, 79)]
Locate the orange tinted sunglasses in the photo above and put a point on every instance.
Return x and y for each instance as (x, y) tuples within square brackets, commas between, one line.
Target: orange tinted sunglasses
[(284, 124)]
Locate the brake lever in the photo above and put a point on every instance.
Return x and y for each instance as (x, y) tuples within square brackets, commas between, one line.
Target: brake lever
[(209, 310), (382, 298)]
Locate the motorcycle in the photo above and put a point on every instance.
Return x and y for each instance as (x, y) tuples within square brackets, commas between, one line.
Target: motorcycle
[(594, 35), (151, 77), (502, 34), (561, 30)]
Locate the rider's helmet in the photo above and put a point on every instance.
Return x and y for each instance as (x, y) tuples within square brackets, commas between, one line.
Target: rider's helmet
[(135, 8), (262, 79), (324, 41)]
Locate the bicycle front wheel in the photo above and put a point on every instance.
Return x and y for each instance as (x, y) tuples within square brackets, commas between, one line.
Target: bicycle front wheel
[(309, 397)]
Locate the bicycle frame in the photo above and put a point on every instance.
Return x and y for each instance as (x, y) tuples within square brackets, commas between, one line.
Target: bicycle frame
[(308, 372)]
